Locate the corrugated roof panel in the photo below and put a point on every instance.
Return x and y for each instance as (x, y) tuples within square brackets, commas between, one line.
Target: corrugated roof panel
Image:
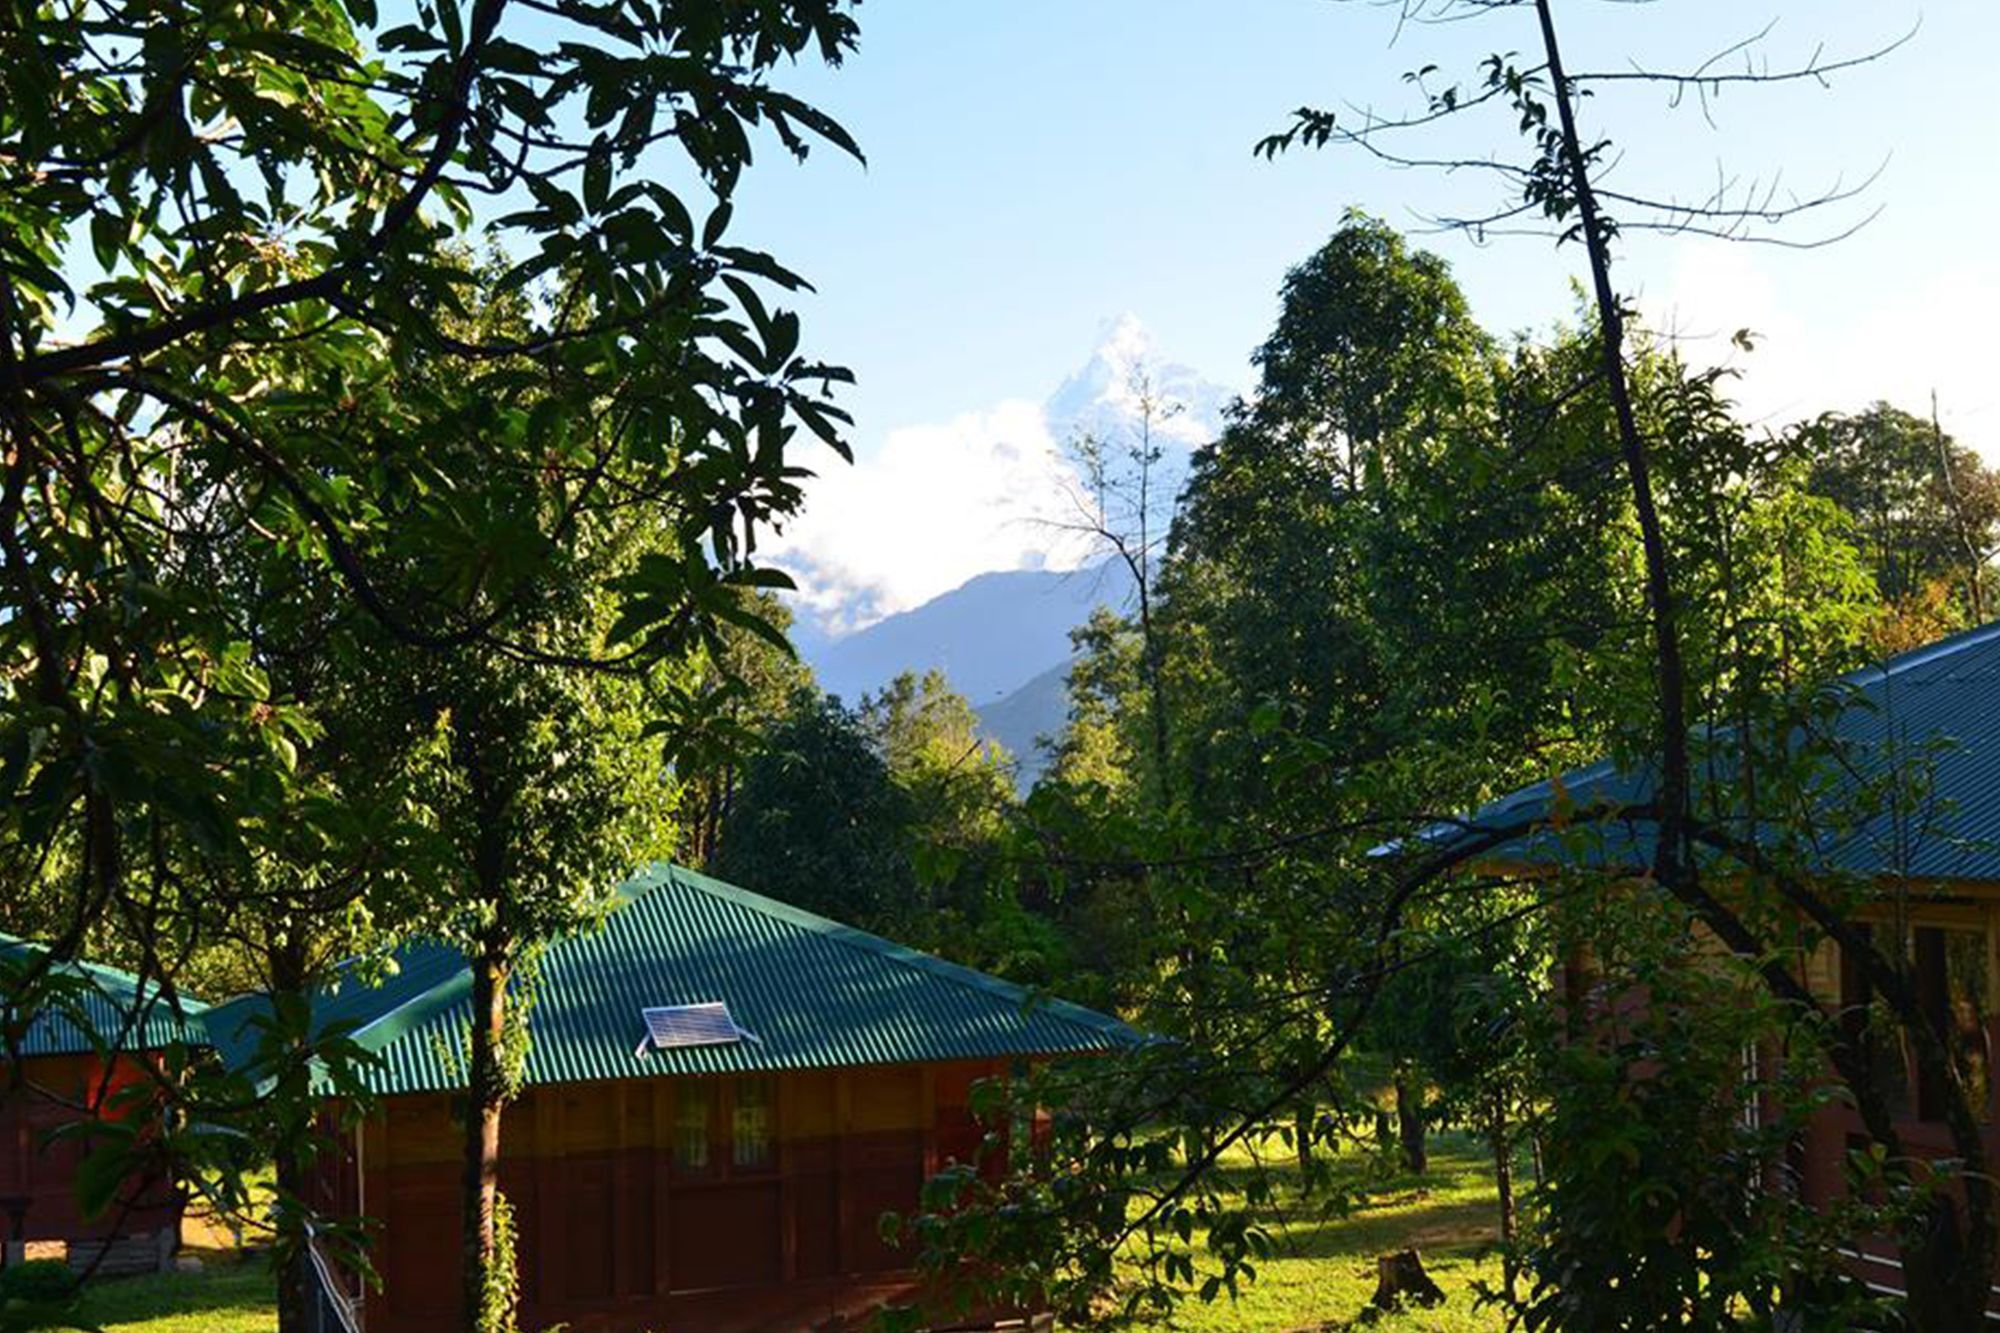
[(112, 1009), (817, 995), (1937, 706)]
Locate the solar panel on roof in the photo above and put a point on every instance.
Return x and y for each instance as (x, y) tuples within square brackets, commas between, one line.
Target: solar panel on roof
[(675, 1026)]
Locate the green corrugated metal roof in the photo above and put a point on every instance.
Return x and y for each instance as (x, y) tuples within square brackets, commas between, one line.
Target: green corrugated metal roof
[(817, 995), (1938, 705), (103, 1004)]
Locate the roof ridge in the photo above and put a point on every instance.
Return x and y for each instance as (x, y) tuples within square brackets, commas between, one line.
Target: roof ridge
[(864, 941)]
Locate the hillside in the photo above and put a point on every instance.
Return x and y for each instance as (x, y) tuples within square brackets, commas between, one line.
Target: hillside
[(991, 635), (1039, 708)]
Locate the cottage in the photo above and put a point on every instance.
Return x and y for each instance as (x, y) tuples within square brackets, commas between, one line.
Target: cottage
[(73, 1058), (1934, 712), (723, 1095)]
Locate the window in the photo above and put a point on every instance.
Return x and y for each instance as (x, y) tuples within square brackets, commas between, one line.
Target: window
[(750, 1139), (1947, 967), (1950, 968), (694, 1114), (1868, 1021)]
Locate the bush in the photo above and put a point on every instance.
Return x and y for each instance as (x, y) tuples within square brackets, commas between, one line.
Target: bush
[(38, 1294)]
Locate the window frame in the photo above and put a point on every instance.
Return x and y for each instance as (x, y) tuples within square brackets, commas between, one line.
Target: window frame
[(1922, 928), (722, 1100)]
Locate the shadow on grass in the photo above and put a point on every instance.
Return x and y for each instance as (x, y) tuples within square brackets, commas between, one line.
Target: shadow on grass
[(243, 1287), (1459, 1228), (1451, 1211)]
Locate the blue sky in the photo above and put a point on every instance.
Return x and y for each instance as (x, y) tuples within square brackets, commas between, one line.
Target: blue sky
[(1037, 167)]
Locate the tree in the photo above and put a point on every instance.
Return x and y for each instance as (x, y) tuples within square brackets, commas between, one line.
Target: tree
[(1124, 509), (225, 236), (549, 796), (339, 874), (1298, 525), (1947, 1251), (955, 779), (819, 821), (1477, 577), (732, 702), (239, 322), (1927, 509)]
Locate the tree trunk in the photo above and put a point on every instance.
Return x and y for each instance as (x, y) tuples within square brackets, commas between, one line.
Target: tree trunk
[(1410, 1125), (1503, 1181), (1401, 1276), (1670, 858), (1302, 1134), (485, 1098)]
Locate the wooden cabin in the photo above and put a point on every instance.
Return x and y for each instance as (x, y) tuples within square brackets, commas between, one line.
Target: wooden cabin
[(723, 1096), (75, 1057), (1936, 863)]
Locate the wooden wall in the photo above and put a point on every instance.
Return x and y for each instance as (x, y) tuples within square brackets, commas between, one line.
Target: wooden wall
[(618, 1231), (42, 1172)]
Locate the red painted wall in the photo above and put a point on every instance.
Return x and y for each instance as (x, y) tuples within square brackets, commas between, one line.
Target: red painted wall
[(54, 1088)]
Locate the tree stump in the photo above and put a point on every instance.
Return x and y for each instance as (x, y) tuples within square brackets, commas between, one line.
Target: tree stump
[(1400, 1277)]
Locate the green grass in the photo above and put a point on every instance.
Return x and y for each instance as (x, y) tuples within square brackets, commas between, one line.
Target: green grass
[(1323, 1271), (231, 1295)]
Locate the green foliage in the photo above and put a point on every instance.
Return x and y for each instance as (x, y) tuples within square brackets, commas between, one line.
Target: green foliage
[(1925, 510), (739, 696), (501, 1295), (39, 1294), (929, 737), (1404, 581), (1669, 1112), (888, 816), (819, 820)]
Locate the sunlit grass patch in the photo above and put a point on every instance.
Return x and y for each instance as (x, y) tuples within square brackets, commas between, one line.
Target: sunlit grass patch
[(1323, 1271), (232, 1294)]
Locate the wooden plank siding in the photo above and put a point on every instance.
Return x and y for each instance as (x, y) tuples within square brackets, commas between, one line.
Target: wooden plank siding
[(617, 1234)]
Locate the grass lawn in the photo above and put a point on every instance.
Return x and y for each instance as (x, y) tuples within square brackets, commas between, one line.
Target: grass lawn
[(1324, 1270), (232, 1294)]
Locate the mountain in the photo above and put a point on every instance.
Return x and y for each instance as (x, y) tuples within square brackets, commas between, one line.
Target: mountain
[(1039, 708), (991, 635), (930, 506), (1102, 397)]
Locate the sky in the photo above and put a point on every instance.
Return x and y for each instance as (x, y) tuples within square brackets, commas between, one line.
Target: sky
[(1044, 176)]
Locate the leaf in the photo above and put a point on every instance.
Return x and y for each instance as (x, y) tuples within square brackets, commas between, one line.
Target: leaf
[(717, 224), (597, 177)]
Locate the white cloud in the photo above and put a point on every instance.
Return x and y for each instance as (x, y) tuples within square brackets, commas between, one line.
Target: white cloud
[(1900, 346), (935, 504), (928, 509)]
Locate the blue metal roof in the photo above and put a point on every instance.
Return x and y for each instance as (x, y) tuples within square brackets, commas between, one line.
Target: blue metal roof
[(1933, 712), (816, 993)]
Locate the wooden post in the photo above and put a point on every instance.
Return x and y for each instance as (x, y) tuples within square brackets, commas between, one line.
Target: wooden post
[(928, 1115), (1989, 921), (784, 1114), (373, 1172)]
